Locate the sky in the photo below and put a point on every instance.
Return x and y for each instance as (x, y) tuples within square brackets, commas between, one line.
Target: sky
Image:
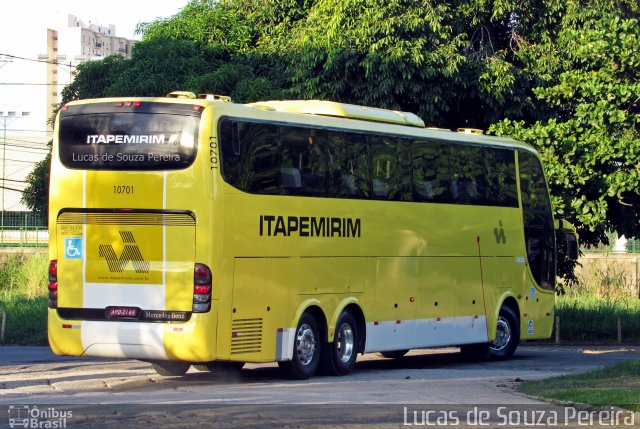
[(124, 14)]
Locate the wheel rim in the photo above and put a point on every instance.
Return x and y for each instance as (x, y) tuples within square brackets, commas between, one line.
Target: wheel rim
[(344, 343), (503, 335), (305, 344)]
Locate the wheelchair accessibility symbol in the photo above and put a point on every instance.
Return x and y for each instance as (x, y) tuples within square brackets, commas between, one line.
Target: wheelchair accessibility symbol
[(73, 248)]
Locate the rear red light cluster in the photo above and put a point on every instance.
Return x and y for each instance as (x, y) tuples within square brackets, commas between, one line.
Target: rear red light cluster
[(128, 104), (53, 284), (201, 288)]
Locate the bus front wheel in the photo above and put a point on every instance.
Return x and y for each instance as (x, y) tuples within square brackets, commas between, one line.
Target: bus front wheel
[(507, 335), (307, 347), (170, 368)]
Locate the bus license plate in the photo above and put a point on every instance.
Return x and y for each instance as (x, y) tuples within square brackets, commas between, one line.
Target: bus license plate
[(115, 312)]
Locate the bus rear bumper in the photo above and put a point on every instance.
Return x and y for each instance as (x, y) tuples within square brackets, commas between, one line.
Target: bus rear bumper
[(193, 341)]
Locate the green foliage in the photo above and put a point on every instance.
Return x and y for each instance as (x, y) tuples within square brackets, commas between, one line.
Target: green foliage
[(92, 78), (588, 318), (23, 296), (589, 310), (615, 385), (382, 53), (157, 67), (206, 23), (36, 191), (590, 141)]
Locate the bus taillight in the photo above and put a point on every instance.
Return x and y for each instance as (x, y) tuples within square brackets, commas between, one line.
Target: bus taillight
[(53, 284), (201, 288), (128, 104)]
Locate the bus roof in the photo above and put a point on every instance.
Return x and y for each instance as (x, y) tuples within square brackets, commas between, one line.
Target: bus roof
[(342, 110), (330, 114)]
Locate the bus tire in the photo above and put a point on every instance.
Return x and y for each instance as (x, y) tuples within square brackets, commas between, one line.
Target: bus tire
[(339, 357), (507, 335), (394, 354), (307, 348), (170, 368)]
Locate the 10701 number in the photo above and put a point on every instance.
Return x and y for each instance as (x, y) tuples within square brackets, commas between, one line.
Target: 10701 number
[(117, 189)]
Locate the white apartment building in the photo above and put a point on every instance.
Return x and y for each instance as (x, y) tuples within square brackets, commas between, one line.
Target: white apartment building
[(36, 63), (80, 41)]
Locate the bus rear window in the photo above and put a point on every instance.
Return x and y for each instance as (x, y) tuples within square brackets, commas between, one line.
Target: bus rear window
[(128, 141)]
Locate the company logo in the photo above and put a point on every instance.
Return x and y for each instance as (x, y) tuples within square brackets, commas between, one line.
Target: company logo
[(130, 253), (25, 416), (309, 226), (499, 234), (133, 139)]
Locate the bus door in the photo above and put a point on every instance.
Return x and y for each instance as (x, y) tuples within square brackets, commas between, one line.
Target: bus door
[(539, 237)]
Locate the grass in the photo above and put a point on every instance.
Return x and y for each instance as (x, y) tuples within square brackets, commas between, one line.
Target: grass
[(589, 310), (23, 296), (592, 318), (617, 385)]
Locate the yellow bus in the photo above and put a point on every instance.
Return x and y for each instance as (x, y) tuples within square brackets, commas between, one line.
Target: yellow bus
[(191, 230)]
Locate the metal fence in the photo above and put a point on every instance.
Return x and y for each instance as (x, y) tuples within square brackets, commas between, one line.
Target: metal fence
[(23, 229), (633, 246)]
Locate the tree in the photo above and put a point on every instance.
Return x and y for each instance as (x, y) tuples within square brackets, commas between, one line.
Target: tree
[(36, 192), (454, 64), (159, 66), (92, 78), (590, 139), (207, 23)]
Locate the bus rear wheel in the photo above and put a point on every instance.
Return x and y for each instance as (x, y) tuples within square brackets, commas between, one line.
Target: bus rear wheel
[(507, 335), (169, 368), (307, 347), (339, 357)]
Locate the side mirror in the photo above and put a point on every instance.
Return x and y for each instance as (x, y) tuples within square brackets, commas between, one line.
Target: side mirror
[(567, 233)]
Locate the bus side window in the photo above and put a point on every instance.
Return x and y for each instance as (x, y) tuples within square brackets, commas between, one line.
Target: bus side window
[(250, 160), (431, 172), (383, 165), (467, 181), (341, 182), (348, 166), (405, 164), (303, 166), (501, 177), (391, 165), (230, 151)]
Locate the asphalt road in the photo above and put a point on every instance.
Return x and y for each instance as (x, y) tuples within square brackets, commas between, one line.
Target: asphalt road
[(381, 392)]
